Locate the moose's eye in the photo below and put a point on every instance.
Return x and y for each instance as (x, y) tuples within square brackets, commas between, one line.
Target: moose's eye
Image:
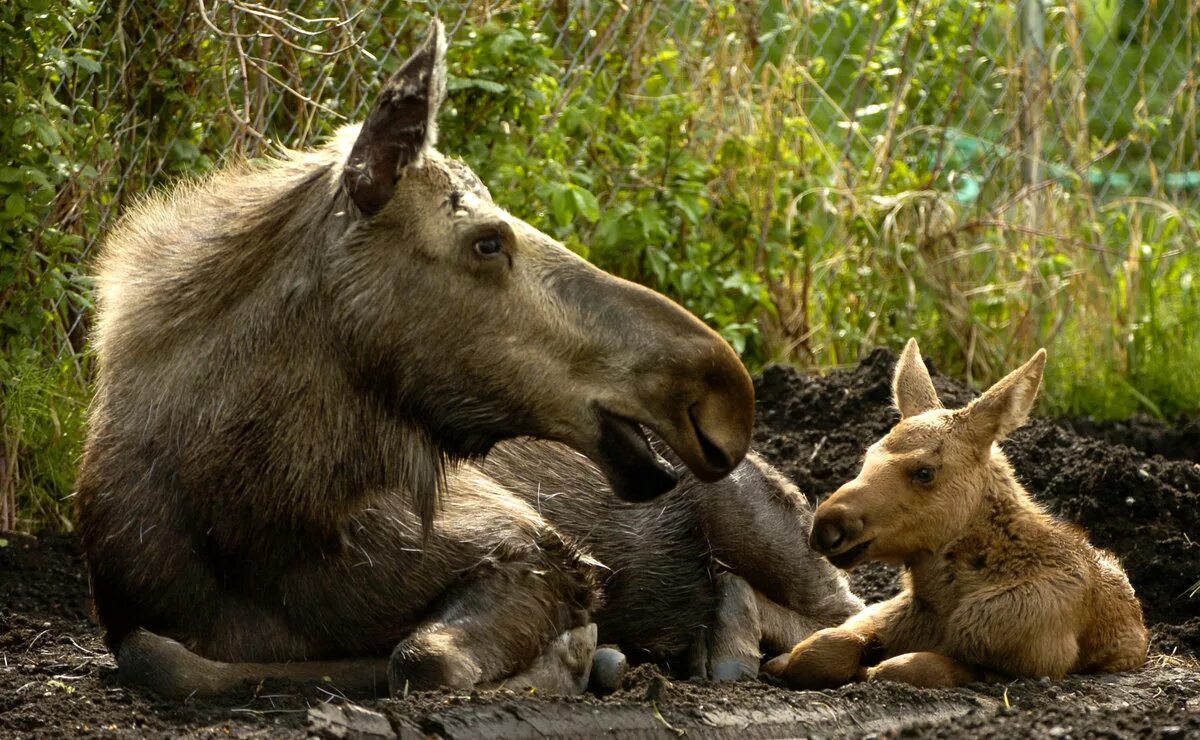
[(489, 247), (924, 475)]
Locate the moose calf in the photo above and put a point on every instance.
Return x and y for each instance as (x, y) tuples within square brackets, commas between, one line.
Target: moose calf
[(992, 583)]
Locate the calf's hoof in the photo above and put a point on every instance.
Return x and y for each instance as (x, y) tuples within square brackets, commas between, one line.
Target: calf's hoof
[(829, 658)]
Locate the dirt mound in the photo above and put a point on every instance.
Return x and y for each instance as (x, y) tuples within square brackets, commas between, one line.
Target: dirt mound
[(1150, 436), (56, 677)]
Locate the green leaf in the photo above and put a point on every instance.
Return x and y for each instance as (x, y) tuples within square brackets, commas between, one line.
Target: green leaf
[(46, 133), (86, 64), (585, 203), (462, 83), (560, 205), (14, 206)]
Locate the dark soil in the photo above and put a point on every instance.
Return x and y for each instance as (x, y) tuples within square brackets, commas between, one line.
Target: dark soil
[(56, 678), (1150, 436)]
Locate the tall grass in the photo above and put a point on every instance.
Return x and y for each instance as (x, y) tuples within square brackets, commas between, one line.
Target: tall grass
[(905, 224), (44, 410)]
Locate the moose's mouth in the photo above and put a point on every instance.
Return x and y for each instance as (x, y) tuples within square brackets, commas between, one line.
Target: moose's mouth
[(847, 559), (634, 470)]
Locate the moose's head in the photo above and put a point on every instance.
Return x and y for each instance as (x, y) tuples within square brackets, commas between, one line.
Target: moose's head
[(479, 327), (920, 485)]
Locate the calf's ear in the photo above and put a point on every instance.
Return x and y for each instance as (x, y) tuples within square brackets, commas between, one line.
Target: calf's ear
[(401, 125), (912, 388), (1006, 405)]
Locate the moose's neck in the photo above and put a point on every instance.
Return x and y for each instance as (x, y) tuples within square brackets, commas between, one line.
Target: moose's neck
[(1004, 499)]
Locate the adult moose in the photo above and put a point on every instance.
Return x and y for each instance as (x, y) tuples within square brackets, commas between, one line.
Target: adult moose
[(298, 362)]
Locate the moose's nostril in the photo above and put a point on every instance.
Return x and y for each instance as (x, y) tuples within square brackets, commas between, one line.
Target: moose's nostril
[(717, 458)]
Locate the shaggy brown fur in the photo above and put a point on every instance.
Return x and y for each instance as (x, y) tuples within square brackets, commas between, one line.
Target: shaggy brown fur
[(993, 584), (699, 580), (297, 361)]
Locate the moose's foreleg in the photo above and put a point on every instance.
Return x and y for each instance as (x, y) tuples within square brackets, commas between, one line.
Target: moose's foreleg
[(747, 622), (783, 628), (564, 666), (499, 620), (732, 650), (167, 668)]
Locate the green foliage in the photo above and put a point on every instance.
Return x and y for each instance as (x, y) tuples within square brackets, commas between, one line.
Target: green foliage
[(42, 290), (813, 179)]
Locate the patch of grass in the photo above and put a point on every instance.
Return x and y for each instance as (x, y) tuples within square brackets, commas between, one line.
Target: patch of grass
[(44, 412)]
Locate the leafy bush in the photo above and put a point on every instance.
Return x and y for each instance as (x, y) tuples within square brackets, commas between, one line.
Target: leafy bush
[(700, 149)]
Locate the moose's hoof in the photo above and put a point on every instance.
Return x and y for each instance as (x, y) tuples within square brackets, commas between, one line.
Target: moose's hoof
[(167, 668), (734, 669), (608, 670), (564, 667), (419, 667)]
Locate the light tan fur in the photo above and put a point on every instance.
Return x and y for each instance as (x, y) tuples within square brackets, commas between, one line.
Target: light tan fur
[(993, 585)]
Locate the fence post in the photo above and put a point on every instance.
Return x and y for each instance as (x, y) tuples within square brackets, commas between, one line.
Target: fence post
[(1033, 88)]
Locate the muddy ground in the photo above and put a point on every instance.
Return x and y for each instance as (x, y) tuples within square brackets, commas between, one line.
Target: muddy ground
[(1141, 500)]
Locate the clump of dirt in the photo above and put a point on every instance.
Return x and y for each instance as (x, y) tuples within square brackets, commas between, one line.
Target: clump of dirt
[(1150, 436), (57, 678)]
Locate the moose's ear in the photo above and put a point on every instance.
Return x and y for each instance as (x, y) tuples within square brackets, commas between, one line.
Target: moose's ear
[(402, 124), (1006, 405), (912, 388)]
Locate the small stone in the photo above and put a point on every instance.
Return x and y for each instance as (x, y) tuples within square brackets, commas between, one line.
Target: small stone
[(1057, 731), (1171, 732)]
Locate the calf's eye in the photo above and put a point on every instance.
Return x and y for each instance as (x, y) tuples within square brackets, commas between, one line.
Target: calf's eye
[(924, 474)]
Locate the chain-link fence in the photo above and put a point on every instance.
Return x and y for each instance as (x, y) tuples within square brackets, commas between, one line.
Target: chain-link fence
[(813, 177), (1099, 96)]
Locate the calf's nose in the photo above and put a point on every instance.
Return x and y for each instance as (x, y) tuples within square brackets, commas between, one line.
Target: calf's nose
[(826, 536), (832, 529)]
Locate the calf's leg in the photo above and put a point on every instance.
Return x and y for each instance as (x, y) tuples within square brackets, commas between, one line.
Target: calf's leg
[(925, 670), (826, 659)]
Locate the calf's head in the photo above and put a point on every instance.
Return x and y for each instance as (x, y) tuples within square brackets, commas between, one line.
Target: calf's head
[(921, 483), (479, 327)]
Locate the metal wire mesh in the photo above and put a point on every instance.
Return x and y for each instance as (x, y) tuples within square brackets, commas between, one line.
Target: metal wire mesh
[(1096, 96)]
